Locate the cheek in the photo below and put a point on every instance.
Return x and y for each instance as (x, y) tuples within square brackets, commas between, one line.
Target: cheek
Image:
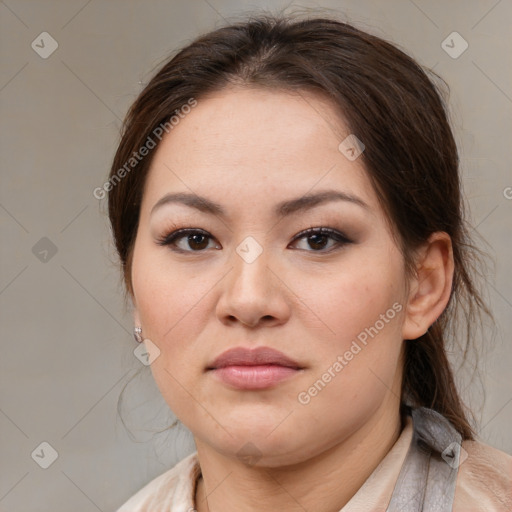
[(173, 308), (167, 296), (353, 298), (357, 368), (362, 304)]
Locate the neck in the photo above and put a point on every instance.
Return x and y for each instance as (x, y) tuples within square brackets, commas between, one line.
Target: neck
[(324, 483)]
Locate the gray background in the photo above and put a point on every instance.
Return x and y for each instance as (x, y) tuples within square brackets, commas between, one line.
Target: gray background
[(67, 349)]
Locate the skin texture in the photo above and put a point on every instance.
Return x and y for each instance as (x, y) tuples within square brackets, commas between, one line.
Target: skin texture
[(249, 149)]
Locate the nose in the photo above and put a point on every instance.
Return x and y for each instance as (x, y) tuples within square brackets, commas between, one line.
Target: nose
[(253, 294)]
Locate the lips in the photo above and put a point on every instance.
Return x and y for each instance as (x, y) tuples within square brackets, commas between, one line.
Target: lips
[(252, 370), (252, 357)]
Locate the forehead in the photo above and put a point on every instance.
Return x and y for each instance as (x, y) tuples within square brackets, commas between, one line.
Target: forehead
[(254, 144)]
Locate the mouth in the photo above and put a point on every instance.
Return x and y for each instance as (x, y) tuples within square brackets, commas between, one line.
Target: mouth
[(247, 369)]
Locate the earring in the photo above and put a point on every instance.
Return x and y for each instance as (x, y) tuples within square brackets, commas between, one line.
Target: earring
[(137, 331)]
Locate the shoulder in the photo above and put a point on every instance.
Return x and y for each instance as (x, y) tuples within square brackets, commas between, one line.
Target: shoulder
[(171, 491), (484, 480)]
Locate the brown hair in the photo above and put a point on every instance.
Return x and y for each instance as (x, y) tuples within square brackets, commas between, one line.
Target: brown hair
[(387, 101)]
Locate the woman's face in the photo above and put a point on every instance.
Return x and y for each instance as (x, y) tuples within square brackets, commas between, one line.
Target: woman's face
[(332, 303)]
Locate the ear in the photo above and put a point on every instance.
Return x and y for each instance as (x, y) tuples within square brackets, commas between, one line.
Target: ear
[(431, 287)]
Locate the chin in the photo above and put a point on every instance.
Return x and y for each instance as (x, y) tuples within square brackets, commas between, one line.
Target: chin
[(260, 444)]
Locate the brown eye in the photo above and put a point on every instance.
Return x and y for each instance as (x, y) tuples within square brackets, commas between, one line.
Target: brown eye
[(197, 241), (318, 239), (186, 240)]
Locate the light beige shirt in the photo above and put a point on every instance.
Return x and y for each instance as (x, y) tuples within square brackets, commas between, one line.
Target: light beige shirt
[(484, 482)]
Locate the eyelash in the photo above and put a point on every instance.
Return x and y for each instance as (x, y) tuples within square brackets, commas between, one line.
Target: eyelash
[(340, 238)]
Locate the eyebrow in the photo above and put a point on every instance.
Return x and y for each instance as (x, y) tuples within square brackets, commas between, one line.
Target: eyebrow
[(283, 209)]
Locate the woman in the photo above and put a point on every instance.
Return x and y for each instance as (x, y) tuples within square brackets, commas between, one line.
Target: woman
[(286, 205)]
